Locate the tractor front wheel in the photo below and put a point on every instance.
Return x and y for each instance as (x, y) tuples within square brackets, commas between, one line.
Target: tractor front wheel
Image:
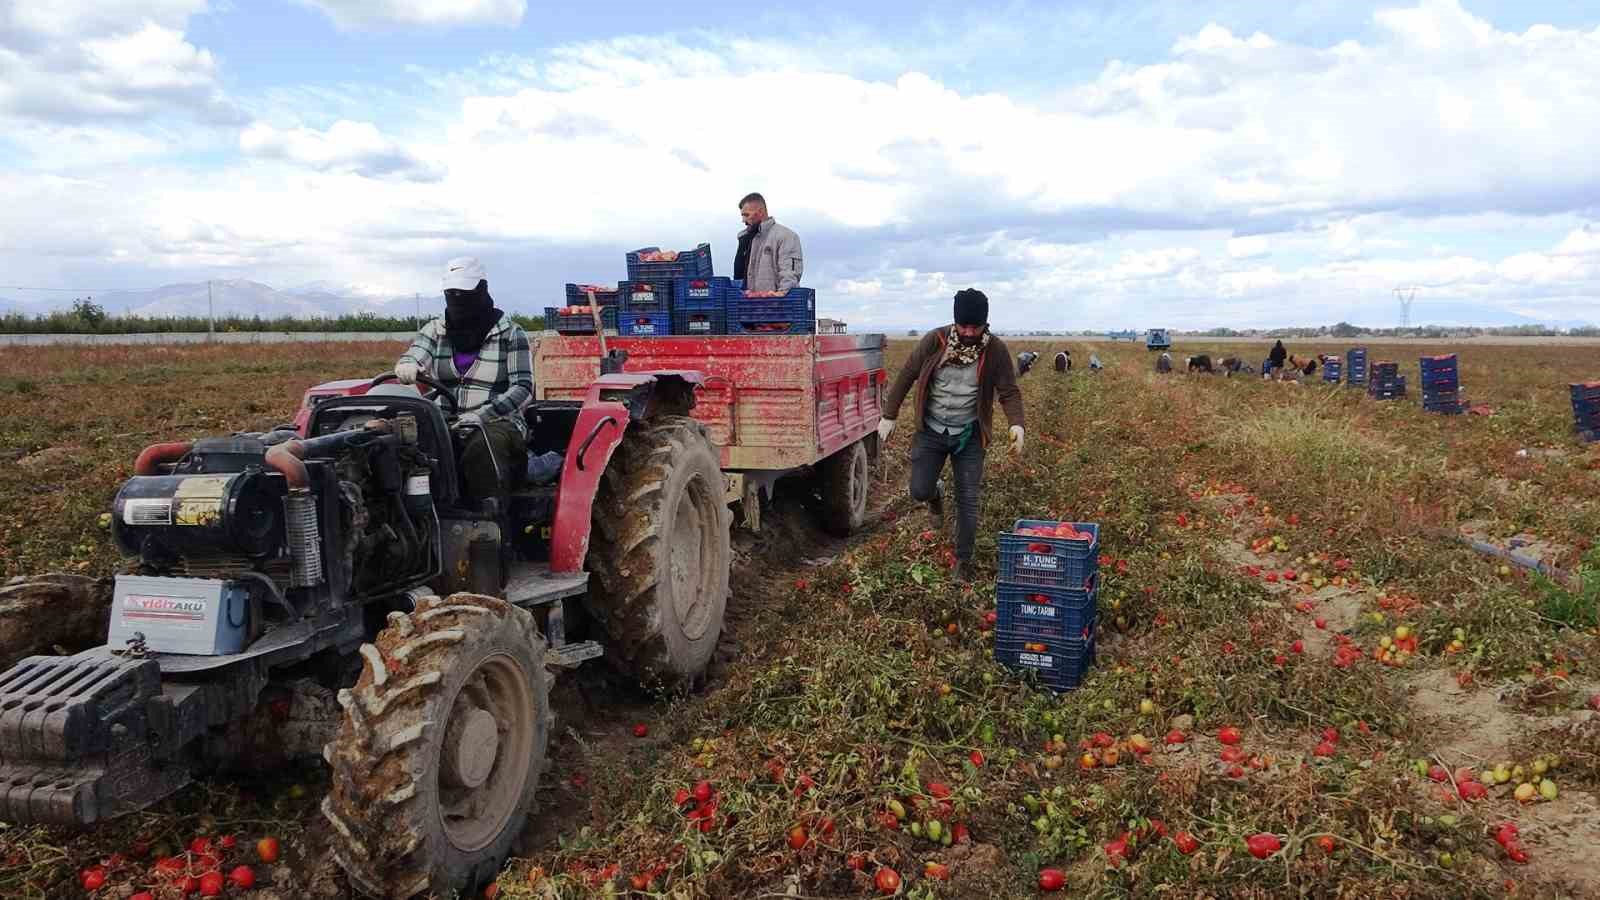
[(443, 741), (659, 552)]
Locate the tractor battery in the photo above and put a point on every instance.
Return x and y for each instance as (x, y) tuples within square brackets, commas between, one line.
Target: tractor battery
[(196, 616)]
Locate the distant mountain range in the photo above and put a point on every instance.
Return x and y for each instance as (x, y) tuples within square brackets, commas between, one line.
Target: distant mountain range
[(232, 297)]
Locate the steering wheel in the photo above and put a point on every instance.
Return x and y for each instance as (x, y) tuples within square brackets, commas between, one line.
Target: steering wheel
[(427, 382)]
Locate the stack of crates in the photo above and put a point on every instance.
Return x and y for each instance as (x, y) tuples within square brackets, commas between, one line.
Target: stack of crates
[(1332, 369), (700, 306), (794, 313), (576, 317), (1441, 384), (1386, 382), (1045, 602), (654, 278), (1586, 410), (1355, 364)]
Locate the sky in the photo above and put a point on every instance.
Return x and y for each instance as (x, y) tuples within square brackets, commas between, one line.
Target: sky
[(1087, 164)]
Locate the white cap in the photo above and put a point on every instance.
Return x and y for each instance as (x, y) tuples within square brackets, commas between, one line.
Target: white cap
[(463, 274)]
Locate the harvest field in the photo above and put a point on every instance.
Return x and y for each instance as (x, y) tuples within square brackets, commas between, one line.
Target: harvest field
[(1261, 542)]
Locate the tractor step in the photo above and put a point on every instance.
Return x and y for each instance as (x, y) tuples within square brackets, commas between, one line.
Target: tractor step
[(568, 656), (76, 739), (533, 584)]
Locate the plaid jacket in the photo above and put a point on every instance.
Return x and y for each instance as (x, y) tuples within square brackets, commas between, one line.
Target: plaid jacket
[(502, 377)]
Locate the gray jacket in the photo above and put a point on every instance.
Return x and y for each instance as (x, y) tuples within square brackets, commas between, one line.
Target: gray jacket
[(776, 262)]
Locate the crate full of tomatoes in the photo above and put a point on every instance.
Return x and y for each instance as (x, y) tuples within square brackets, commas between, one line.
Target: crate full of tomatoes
[(1039, 553)]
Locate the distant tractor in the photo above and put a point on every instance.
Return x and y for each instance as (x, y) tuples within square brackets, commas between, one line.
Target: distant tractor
[(1157, 339)]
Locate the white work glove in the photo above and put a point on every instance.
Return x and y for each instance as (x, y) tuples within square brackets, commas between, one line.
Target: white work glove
[(469, 419), (885, 428), (406, 371), (1016, 439)]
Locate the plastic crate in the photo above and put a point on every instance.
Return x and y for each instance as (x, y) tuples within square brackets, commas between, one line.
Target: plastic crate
[(638, 323), (647, 296), (694, 263), (1035, 612), (795, 313), (699, 322), (1589, 435), (1589, 390), (1443, 361), (582, 323), (1059, 664), (1332, 371), (578, 294), (1049, 562)]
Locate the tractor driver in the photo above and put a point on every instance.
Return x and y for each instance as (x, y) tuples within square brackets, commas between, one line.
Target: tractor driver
[(479, 354)]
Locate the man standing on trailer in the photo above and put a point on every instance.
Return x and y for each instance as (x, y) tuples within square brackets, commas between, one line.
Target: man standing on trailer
[(958, 371), (769, 258)]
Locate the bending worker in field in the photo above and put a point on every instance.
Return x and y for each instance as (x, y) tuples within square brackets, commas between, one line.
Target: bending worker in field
[(958, 372), (1025, 361), (481, 356)]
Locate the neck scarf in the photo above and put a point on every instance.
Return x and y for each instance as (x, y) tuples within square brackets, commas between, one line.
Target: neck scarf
[(469, 316), (957, 353)]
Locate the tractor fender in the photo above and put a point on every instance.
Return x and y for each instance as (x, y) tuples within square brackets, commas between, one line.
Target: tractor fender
[(612, 402)]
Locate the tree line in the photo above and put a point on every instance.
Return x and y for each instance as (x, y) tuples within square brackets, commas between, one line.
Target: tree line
[(88, 317)]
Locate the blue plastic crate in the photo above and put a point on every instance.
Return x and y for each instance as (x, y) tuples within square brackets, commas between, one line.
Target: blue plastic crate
[(638, 323), (694, 263), (577, 294), (647, 296), (1589, 435), (795, 313), (1059, 664), (582, 323), (1038, 612), (1332, 371), (1585, 391), (1442, 361), (703, 293), (699, 322), (1049, 562)]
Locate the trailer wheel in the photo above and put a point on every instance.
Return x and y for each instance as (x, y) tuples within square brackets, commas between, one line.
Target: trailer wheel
[(659, 552), (443, 741), (845, 477)]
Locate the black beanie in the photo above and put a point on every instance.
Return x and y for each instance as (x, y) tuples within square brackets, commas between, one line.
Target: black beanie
[(972, 307)]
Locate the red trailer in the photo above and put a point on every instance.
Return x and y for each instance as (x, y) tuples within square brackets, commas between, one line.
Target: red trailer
[(773, 405)]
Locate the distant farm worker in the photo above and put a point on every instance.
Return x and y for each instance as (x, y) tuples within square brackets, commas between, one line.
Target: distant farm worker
[(1064, 361), (1303, 366), (769, 258), (1164, 364), (958, 372), (1231, 365), (1277, 356), (1201, 363), (481, 357), (1094, 363), (1025, 361)]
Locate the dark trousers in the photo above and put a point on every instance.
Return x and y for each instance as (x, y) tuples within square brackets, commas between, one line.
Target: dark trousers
[(929, 450), (478, 470)]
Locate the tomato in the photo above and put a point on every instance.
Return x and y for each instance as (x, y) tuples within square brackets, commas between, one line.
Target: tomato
[(242, 878), (1263, 845), (92, 879), (1231, 755), (887, 881), (1326, 843), (1102, 740), (169, 865), (1228, 735), (641, 730), (681, 797), (959, 834), (1117, 851), (189, 885), (1331, 735), (212, 884), (493, 890), (1051, 879), (267, 849), (976, 758), (228, 842), (938, 790), (856, 861), (1298, 647), (1325, 750), (936, 871), (200, 846), (1186, 842), (143, 895), (1176, 737), (797, 837), (889, 821), (702, 791)]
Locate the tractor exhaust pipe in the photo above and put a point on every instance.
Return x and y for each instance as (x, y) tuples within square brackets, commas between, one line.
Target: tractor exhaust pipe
[(157, 455)]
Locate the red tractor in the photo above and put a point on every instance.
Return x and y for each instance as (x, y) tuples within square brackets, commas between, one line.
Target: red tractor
[(339, 555)]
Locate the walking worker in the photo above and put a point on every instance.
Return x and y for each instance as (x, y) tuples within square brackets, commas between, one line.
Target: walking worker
[(768, 259), (958, 372), (481, 356), (1025, 361), (1276, 358)]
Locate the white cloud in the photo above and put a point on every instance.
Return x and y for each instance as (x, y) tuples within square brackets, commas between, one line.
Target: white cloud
[(1251, 247), (354, 147), (380, 13)]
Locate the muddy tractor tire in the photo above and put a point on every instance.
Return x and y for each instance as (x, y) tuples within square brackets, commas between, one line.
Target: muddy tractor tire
[(659, 552), (439, 755), (845, 478)]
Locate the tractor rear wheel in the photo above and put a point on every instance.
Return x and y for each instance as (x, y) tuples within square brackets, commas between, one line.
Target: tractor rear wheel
[(443, 741), (659, 552), (845, 478)]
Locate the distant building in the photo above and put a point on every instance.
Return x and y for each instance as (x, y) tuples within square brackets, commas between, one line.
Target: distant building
[(830, 326)]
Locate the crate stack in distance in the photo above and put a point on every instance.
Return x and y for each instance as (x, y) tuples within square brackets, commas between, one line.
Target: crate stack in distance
[(1586, 410), (1386, 382), (1441, 385), (1355, 365), (1332, 369), (577, 318), (1045, 600)]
